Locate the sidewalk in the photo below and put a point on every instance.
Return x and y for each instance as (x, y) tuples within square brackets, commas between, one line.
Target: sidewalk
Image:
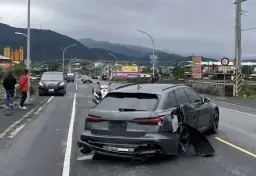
[(242, 102), (6, 121)]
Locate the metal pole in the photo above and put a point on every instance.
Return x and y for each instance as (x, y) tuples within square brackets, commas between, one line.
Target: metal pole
[(238, 38), (113, 56), (153, 52), (63, 56), (28, 52)]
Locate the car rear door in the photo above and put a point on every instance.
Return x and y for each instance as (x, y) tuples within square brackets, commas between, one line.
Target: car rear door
[(191, 112), (204, 114)]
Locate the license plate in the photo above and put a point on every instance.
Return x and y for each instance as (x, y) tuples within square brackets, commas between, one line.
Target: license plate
[(51, 90), (117, 126), (118, 149)]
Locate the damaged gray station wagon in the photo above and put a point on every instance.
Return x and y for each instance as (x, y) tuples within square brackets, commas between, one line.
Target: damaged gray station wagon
[(137, 120)]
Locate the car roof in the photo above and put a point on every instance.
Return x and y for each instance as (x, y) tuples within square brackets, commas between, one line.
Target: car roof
[(146, 88), (54, 72)]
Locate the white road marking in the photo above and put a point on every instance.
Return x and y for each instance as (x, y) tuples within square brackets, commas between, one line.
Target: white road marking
[(222, 98), (50, 99), (15, 132), (234, 104), (38, 110), (67, 158), (239, 112), (7, 130)]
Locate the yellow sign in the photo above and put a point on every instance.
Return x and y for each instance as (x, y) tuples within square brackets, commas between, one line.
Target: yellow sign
[(133, 68)]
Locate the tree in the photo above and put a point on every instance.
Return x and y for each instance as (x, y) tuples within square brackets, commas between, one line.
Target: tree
[(247, 70), (146, 70), (177, 72), (1, 73), (19, 69)]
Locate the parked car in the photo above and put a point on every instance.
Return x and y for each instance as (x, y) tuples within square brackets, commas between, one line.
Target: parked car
[(52, 83), (137, 121)]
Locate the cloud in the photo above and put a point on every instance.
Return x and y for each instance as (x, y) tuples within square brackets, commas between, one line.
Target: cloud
[(178, 26)]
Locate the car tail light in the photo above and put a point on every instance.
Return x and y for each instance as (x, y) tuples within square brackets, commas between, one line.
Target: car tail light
[(90, 118), (150, 121)]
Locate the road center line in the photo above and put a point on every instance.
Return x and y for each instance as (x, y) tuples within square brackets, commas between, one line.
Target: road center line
[(67, 158), (236, 147), (245, 113), (50, 99)]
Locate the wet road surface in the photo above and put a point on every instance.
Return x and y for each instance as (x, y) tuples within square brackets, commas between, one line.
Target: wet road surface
[(45, 144)]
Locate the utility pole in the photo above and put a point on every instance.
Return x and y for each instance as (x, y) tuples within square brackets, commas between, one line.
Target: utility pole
[(28, 53), (238, 30)]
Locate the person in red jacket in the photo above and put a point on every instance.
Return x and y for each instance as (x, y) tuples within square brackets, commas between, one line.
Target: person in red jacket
[(23, 88)]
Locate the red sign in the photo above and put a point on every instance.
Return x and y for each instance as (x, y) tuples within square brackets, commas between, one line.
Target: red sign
[(125, 74), (6, 65), (197, 67)]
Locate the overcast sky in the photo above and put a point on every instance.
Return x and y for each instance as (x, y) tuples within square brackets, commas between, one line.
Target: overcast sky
[(204, 27)]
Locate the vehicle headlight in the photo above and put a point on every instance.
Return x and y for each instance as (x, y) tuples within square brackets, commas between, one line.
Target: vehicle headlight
[(62, 83), (41, 84)]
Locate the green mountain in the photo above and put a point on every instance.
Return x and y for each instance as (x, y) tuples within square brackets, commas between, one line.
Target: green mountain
[(47, 45)]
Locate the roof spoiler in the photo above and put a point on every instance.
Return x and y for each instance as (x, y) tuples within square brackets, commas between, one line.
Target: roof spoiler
[(125, 86)]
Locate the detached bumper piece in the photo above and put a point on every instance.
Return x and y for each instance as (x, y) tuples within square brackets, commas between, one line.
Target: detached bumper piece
[(139, 153)]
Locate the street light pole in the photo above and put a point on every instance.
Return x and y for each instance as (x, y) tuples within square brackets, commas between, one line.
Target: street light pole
[(153, 48), (63, 56), (28, 52), (113, 56)]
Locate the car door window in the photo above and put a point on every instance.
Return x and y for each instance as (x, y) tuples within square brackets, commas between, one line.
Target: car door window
[(171, 101), (192, 95), (181, 97)]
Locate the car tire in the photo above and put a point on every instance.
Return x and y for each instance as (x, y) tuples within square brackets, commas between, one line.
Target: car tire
[(214, 126), (184, 140), (40, 94)]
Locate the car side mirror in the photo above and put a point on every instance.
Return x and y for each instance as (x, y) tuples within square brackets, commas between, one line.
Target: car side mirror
[(109, 83), (206, 100), (98, 83)]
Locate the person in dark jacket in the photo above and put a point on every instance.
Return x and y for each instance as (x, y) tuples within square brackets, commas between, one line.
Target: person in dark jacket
[(9, 86)]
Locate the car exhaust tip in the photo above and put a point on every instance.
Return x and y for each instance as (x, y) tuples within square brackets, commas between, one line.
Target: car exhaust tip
[(139, 160), (85, 149)]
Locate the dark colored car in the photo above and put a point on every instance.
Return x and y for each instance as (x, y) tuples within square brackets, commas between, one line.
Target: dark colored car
[(137, 120), (86, 80), (52, 83), (104, 77), (70, 77)]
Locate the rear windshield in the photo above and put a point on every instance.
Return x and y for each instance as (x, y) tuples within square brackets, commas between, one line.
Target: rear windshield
[(131, 101), (70, 74)]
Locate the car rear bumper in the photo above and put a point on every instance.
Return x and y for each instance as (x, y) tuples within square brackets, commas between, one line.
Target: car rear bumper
[(44, 90), (130, 147)]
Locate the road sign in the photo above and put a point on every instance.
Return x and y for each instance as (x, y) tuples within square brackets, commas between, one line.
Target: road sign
[(153, 61), (153, 57), (224, 61), (26, 61)]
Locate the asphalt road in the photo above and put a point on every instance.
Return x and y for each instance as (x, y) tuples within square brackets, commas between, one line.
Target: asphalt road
[(45, 145)]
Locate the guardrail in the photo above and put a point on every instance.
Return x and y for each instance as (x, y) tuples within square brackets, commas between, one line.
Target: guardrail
[(211, 88)]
